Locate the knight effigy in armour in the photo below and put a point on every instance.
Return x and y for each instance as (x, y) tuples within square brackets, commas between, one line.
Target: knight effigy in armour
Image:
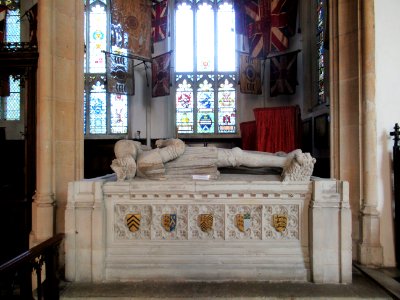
[(174, 159)]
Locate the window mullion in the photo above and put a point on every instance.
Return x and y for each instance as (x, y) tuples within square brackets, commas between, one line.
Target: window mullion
[(108, 49), (215, 69), (195, 81)]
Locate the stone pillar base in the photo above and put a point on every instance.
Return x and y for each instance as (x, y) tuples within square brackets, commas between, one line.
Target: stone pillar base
[(370, 255), (370, 252), (42, 219)]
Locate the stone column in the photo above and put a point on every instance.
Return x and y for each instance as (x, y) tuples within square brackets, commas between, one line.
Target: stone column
[(370, 249), (43, 204)]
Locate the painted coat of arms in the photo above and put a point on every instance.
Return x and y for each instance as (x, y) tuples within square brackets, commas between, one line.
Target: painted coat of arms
[(243, 222), (168, 221), (206, 222), (280, 222), (133, 221)]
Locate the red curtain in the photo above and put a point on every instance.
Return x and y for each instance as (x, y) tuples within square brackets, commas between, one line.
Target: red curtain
[(277, 128), (249, 135)]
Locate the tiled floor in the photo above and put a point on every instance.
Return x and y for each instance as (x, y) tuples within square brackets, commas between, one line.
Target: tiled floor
[(363, 287)]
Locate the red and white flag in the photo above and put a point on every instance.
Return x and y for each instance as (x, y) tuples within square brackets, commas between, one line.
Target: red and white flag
[(159, 20)]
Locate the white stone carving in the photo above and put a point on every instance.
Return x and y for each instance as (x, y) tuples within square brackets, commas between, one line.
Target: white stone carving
[(121, 230), (253, 232), (300, 168), (173, 159), (292, 229), (181, 229), (100, 247), (218, 213)]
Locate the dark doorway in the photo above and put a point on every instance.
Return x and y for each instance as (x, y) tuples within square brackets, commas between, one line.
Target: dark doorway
[(18, 152)]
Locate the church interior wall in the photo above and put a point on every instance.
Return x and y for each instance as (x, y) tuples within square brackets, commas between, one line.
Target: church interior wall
[(387, 110), (154, 118)]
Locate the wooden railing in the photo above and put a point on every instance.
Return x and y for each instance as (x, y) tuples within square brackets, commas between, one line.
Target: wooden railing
[(396, 183), (16, 275)]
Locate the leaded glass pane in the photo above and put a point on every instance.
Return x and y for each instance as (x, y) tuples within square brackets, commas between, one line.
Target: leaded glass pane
[(184, 107), (97, 113), (226, 107), (205, 38), (119, 114), (226, 38), (320, 50), (102, 1), (13, 26), (84, 112), (85, 39), (10, 107), (97, 38), (205, 105), (184, 38)]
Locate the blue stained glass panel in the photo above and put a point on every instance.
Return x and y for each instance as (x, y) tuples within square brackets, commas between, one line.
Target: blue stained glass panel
[(97, 113), (119, 114), (205, 122), (205, 101)]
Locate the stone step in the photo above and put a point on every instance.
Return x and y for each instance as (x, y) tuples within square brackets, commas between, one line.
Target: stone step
[(361, 288)]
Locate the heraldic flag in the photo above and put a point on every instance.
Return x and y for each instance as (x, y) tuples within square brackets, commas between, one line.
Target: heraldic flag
[(250, 75), (120, 76), (160, 75), (159, 20), (283, 74), (268, 23)]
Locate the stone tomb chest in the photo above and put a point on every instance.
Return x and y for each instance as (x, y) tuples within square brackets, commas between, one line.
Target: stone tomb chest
[(239, 227)]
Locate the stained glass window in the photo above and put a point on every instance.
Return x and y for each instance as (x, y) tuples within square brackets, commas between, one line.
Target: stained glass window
[(119, 113), (10, 107), (13, 26), (321, 50), (205, 64), (105, 113), (184, 104)]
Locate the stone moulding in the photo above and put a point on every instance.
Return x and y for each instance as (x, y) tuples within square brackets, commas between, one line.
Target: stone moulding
[(296, 231)]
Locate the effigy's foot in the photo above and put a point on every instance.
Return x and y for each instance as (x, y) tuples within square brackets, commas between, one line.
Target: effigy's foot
[(299, 166)]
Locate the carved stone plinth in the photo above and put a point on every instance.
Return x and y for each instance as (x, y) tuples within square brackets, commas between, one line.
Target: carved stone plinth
[(240, 227)]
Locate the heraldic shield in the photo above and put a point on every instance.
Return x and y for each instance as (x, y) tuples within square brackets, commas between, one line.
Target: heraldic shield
[(280, 222), (243, 222), (133, 221), (206, 222), (168, 221)]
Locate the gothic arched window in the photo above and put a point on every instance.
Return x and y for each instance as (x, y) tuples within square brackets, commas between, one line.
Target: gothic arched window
[(205, 67), (10, 106), (104, 113), (322, 47)]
